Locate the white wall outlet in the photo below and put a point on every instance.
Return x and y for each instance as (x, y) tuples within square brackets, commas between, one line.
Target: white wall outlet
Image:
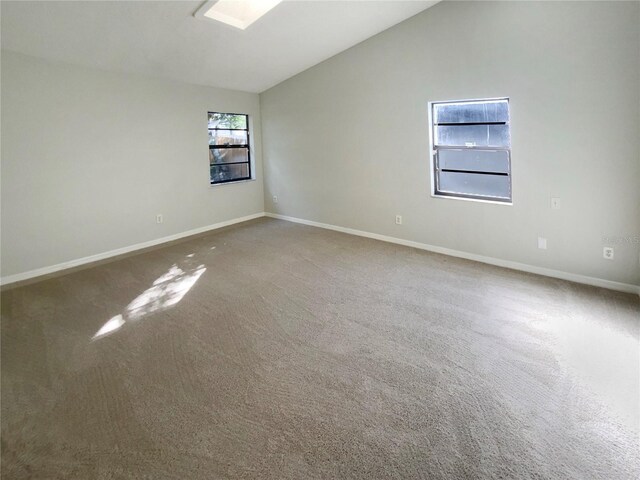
[(398, 219), (275, 199), (555, 203), (607, 252), (542, 243), (159, 218)]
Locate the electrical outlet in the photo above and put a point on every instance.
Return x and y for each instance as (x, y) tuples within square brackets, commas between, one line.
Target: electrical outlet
[(607, 252), (398, 219), (542, 243), (275, 199), (159, 218), (555, 203)]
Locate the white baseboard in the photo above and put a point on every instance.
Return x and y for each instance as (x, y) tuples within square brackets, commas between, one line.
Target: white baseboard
[(38, 272), (547, 272)]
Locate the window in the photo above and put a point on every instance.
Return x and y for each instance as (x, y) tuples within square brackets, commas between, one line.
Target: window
[(229, 156), (471, 148)]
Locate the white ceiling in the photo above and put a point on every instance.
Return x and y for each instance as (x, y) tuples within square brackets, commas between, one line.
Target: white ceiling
[(164, 39)]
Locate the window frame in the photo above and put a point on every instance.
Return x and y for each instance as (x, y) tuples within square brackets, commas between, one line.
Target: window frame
[(434, 149), (246, 146)]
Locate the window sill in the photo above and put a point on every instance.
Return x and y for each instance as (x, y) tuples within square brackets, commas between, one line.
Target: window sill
[(494, 202), (212, 185), (232, 183)]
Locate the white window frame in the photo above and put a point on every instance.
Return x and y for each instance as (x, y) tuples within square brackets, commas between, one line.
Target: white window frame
[(433, 151)]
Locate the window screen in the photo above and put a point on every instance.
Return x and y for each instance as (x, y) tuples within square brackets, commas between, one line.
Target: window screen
[(472, 149), (229, 155)]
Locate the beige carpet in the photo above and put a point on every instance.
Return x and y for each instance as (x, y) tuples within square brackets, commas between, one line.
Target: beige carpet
[(279, 351)]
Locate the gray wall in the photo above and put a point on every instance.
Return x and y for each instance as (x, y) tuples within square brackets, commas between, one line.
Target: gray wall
[(89, 158), (346, 142)]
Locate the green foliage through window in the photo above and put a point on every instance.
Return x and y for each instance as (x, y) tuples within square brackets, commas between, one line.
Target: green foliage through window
[(227, 120)]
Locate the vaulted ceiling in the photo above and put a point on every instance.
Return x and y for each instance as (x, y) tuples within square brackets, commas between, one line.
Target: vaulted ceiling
[(164, 39)]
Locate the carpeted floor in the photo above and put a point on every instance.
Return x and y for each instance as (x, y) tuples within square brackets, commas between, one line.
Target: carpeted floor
[(278, 351)]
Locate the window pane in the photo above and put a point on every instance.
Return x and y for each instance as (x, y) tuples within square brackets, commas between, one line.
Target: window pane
[(473, 135), (475, 184), (225, 173), (228, 155), (227, 137), (227, 120), (474, 160), (495, 111)]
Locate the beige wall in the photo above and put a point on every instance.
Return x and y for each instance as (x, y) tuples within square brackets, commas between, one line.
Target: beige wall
[(346, 142), (89, 158)]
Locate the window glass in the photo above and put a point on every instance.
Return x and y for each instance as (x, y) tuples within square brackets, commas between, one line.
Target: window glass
[(227, 173), (472, 112), (473, 135), (227, 137), (484, 185), (496, 161), (227, 120)]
